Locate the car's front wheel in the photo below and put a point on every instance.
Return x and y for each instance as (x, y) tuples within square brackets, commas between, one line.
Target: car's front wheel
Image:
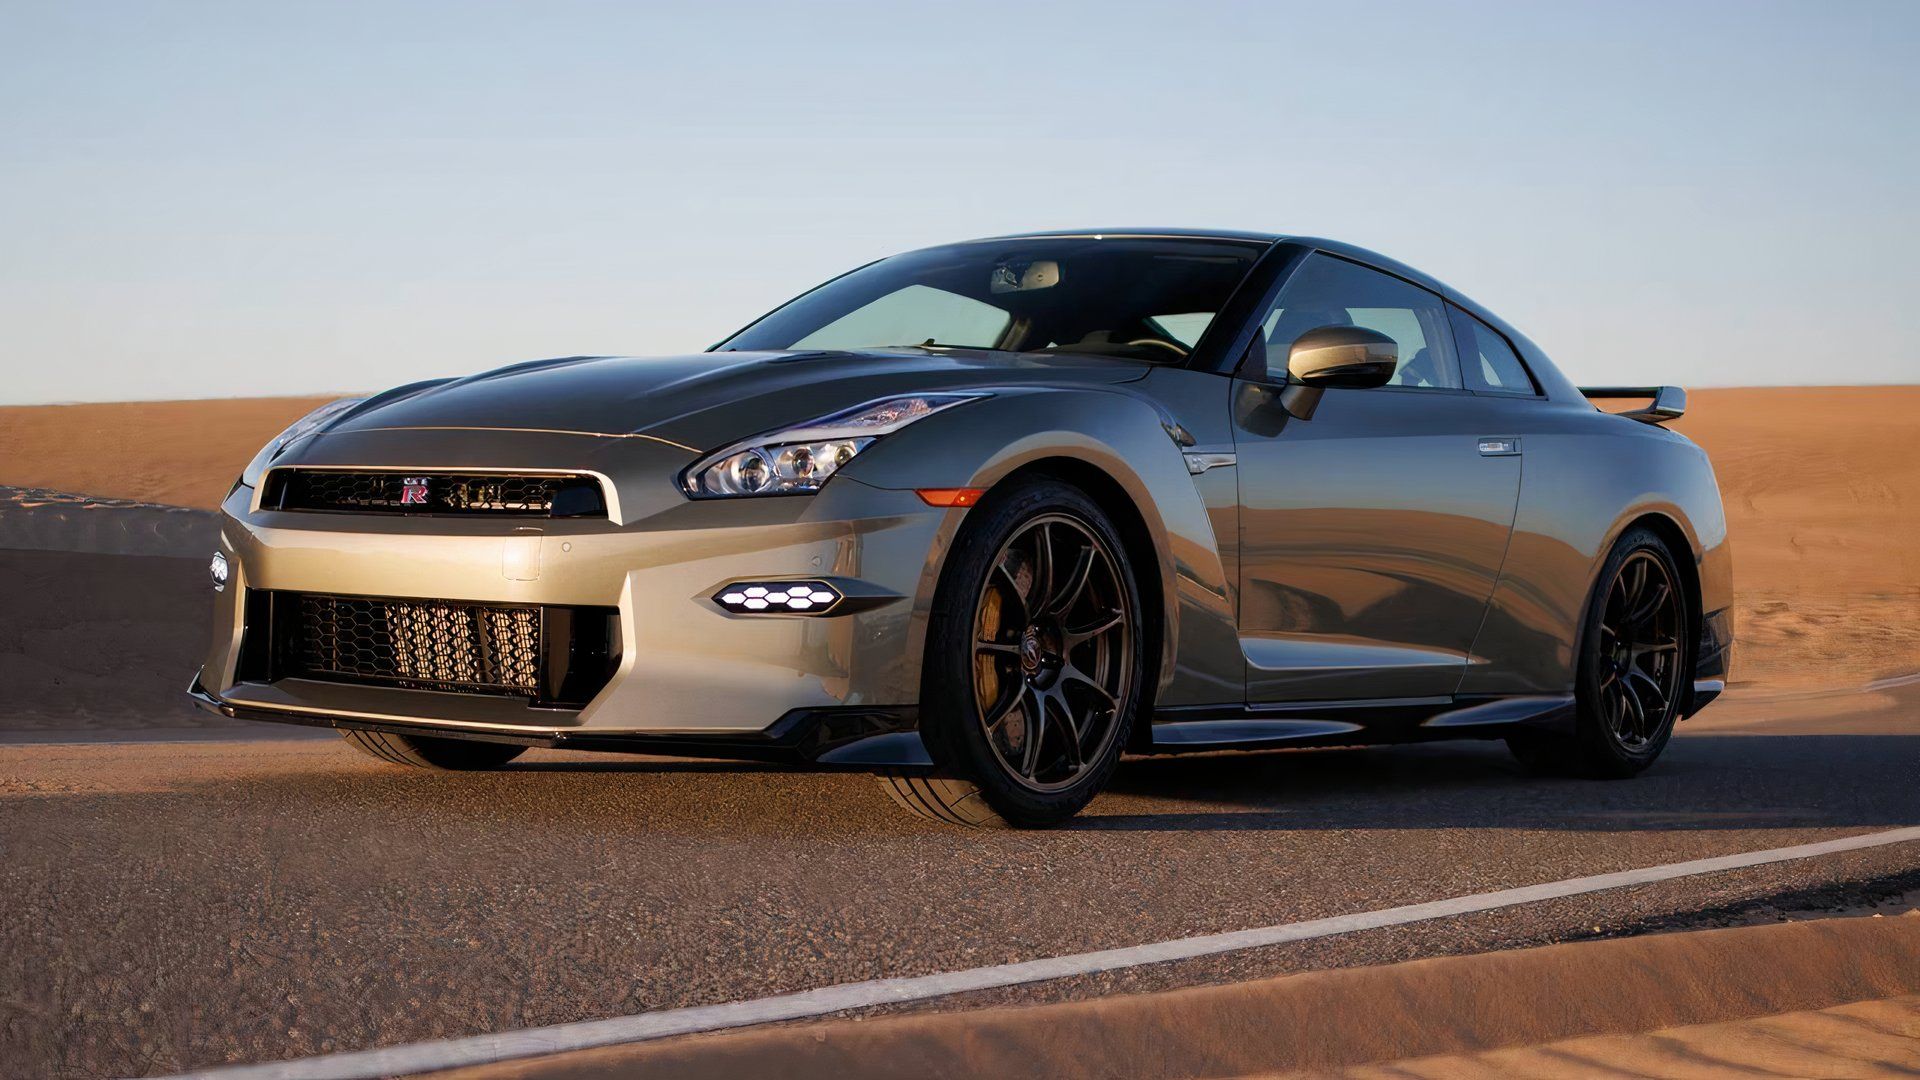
[(426, 752), (1634, 668), (1033, 666)]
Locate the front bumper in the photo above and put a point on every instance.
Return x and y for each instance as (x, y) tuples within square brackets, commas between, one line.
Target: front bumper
[(788, 686)]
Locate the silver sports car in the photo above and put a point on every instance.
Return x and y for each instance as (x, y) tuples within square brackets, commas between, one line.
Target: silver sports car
[(983, 517)]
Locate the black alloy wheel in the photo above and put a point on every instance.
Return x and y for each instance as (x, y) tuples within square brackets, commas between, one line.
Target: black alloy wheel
[(1051, 652), (1633, 671), (1639, 650), (1033, 664)]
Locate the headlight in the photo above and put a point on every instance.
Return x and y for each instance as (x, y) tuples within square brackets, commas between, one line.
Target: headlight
[(798, 460), (301, 428)]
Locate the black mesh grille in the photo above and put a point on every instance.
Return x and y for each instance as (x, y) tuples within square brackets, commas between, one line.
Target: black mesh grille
[(490, 494), (425, 644)]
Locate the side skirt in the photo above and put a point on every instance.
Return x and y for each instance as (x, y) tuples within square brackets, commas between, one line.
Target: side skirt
[(1193, 728)]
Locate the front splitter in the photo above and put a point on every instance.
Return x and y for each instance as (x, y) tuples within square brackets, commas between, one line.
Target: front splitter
[(831, 738)]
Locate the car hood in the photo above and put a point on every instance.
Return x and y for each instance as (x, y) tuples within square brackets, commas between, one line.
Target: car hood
[(708, 399)]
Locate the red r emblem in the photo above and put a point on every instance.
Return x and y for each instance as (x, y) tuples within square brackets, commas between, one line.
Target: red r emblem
[(413, 491)]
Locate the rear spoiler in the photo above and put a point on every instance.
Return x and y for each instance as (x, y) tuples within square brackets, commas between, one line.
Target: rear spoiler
[(1669, 402)]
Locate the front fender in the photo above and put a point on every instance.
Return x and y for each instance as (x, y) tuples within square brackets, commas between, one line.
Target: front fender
[(1124, 437)]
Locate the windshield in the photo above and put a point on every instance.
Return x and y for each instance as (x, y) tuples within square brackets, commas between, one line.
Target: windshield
[(1142, 298)]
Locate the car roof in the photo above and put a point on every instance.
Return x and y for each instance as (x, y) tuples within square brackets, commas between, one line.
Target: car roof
[(1353, 251), (1193, 234), (1336, 247)]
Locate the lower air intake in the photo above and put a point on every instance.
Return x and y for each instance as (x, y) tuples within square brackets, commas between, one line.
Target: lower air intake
[(424, 644)]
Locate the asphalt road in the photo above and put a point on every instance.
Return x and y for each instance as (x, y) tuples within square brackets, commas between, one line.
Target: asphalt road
[(178, 890), (166, 905)]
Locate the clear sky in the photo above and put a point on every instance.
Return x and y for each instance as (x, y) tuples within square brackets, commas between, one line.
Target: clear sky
[(223, 199)]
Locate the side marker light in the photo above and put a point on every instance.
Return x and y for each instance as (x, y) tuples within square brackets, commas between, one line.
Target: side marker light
[(950, 496)]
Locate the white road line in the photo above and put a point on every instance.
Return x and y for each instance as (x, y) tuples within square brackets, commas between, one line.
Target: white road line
[(484, 1049), (1897, 680)]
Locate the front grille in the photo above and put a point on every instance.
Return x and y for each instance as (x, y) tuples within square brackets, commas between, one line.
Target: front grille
[(425, 492), (554, 655)]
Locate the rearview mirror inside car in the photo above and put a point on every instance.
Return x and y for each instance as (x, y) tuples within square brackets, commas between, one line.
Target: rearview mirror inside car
[(1024, 276)]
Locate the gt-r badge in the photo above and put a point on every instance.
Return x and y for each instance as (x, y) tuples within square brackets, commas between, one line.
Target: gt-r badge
[(413, 491)]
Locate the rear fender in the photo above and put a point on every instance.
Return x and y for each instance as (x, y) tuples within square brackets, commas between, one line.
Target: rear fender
[(1586, 482)]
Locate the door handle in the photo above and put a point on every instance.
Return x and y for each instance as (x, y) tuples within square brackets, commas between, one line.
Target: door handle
[(1499, 447)]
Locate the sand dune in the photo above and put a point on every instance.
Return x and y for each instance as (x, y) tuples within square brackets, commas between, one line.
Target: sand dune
[(1821, 489)]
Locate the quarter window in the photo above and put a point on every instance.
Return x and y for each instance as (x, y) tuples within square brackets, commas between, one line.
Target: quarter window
[(1330, 291), (1490, 364)]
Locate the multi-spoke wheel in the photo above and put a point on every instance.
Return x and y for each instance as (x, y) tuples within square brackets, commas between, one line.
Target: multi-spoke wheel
[(1633, 669), (1033, 662), (1640, 632), (1051, 652)]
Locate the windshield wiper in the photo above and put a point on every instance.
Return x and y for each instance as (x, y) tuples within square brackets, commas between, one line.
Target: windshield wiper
[(932, 344)]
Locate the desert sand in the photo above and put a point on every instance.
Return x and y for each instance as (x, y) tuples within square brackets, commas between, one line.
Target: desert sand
[(1823, 503), (181, 453), (1822, 496)]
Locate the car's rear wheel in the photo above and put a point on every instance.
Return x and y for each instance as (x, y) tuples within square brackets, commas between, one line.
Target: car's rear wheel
[(1634, 671), (426, 752), (1033, 665)]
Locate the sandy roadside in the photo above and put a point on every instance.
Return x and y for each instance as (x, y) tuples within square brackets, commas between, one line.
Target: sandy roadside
[(1826, 998), (1821, 497), (1861, 1039)]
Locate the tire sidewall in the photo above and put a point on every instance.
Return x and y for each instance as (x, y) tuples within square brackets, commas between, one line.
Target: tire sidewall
[(949, 716), (427, 752)]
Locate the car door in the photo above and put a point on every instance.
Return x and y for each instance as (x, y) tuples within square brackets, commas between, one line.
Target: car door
[(1523, 642), (1372, 534)]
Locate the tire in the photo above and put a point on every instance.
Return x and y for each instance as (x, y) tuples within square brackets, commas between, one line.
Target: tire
[(423, 752), (955, 802), (1633, 672), (1034, 663)]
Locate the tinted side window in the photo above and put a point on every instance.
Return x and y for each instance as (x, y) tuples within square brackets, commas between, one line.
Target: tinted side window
[(1490, 364), (1330, 291)]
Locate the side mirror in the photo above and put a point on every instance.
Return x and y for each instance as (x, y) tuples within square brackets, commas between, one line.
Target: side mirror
[(1347, 357), (1338, 357)]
